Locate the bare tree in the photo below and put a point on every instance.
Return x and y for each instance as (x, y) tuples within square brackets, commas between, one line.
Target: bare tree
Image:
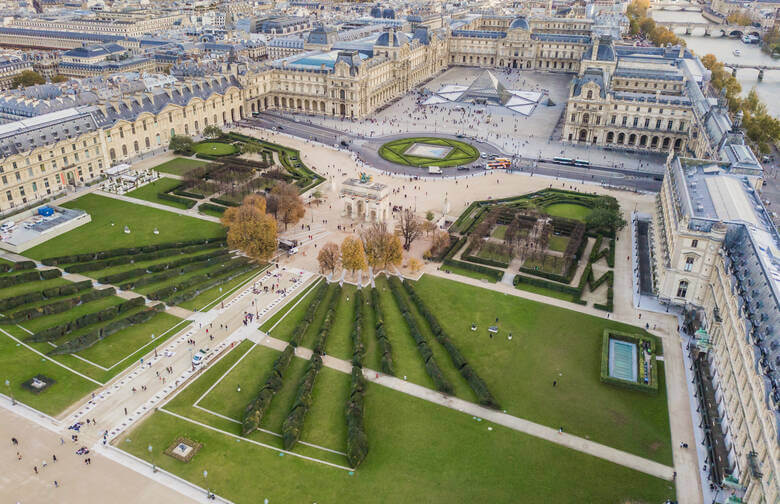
[(329, 257), (410, 226)]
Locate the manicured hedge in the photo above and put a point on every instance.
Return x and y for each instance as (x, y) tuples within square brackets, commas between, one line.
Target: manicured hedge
[(214, 281), (385, 348), (56, 307), (106, 254), (188, 194), (538, 282), (213, 208), (484, 397), (29, 276), (293, 424), (144, 256), (192, 263), (494, 274), (432, 368), (176, 199), (194, 280), (273, 383), (224, 202), (449, 252), (358, 346), (255, 410), (58, 331), (51, 292), (610, 304), (87, 340), (357, 440)]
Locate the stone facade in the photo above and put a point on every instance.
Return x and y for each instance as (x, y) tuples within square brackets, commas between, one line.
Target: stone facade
[(716, 252)]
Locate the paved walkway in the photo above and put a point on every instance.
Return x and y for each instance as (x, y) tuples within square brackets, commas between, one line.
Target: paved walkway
[(547, 433), (158, 206), (78, 482)]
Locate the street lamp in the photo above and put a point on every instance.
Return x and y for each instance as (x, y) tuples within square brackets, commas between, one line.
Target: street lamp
[(208, 492), (154, 466), (10, 392)]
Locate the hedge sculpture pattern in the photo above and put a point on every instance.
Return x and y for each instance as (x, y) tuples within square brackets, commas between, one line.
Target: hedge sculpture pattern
[(273, 382)]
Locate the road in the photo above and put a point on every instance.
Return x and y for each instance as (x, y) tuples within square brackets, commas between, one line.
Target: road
[(367, 149)]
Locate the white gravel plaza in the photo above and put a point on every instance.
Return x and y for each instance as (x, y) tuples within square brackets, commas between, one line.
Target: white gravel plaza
[(428, 150), (537, 135)]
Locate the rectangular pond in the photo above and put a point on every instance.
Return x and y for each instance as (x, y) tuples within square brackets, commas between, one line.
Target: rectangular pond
[(428, 150), (623, 360)]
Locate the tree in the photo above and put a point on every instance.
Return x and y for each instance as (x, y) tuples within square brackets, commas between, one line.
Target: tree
[(250, 200), (59, 78), (394, 252), (353, 256), (429, 216), (415, 265), (287, 203), (212, 131), (181, 144), (439, 242), (410, 227), (329, 257), (739, 17), (647, 25), (27, 78), (428, 226), (606, 215), (250, 229)]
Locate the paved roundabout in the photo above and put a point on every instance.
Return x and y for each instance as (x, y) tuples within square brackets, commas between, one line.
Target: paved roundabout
[(428, 151)]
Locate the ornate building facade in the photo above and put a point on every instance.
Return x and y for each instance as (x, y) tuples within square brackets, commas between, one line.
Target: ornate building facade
[(717, 253)]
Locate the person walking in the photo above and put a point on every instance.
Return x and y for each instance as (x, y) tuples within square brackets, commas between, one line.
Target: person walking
[(54, 458), (35, 469), (14, 441), (56, 485)]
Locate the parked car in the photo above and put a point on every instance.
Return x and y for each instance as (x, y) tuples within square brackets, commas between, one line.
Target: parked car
[(198, 358)]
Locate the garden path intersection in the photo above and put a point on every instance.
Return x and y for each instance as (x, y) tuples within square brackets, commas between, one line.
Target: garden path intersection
[(108, 405)]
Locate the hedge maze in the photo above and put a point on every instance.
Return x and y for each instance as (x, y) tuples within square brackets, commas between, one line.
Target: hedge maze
[(173, 273), (534, 238)]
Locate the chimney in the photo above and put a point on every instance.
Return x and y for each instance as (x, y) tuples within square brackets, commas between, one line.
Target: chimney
[(595, 54)]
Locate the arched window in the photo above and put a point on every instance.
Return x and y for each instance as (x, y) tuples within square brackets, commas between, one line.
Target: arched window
[(585, 118), (112, 153), (610, 137), (590, 95), (682, 289)]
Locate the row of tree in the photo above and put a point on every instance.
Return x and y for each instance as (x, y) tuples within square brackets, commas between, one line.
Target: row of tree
[(641, 23), (760, 127), (375, 246)]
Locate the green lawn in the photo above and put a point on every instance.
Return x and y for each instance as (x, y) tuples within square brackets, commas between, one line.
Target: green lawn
[(499, 231), (449, 268), (549, 343), (18, 364), (550, 264), (106, 231), (179, 166), (568, 210), (558, 243), (120, 345), (544, 291), (268, 324), (209, 298), (211, 213), (24, 288), (215, 148), (150, 191), (416, 449), (396, 152)]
